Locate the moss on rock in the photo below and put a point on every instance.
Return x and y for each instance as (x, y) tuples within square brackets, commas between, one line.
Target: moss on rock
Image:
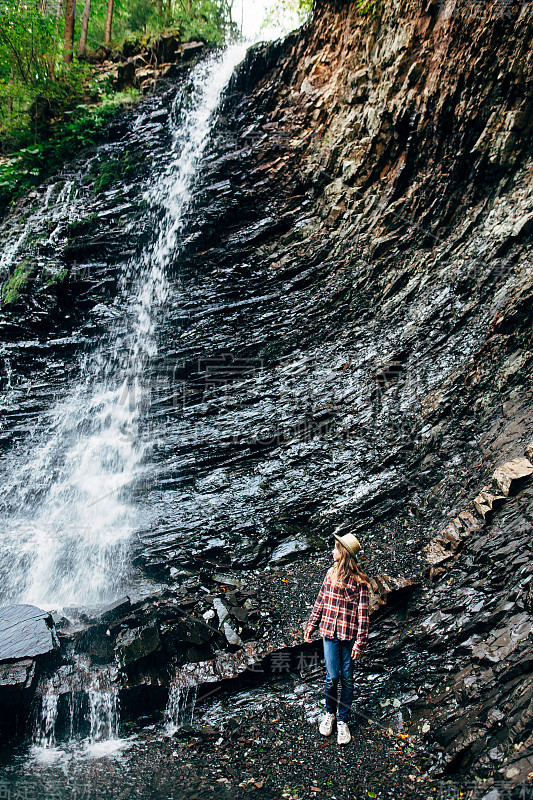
[(17, 281)]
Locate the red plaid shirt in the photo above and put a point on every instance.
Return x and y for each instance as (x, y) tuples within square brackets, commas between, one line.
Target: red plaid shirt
[(347, 607)]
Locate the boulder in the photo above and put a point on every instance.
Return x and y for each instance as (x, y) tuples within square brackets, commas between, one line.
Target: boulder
[(191, 49), (134, 644), (25, 632), (385, 590), (487, 501), (289, 550), (17, 674), (512, 471), (232, 636), (197, 631), (167, 48), (115, 610), (18, 680)]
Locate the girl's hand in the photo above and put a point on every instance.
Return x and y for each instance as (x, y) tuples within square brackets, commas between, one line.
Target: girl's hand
[(307, 636), (355, 654)]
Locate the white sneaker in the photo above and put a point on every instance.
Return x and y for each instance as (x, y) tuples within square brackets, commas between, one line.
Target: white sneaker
[(343, 733), (326, 726)]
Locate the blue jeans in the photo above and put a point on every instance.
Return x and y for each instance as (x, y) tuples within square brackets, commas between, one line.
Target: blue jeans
[(339, 664)]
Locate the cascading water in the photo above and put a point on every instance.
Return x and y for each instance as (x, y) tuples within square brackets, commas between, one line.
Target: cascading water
[(54, 210), (104, 714), (67, 516), (180, 705), (45, 730), (86, 704)]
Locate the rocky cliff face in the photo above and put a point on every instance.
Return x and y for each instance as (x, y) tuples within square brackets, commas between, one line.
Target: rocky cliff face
[(383, 284), (348, 343)]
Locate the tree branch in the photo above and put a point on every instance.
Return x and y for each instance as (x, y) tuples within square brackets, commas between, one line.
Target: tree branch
[(15, 53)]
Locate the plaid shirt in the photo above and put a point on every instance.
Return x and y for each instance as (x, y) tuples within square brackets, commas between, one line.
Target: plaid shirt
[(347, 607)]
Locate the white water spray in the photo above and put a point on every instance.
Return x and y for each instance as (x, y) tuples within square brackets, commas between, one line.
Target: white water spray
[(180, 706), (67, 517)]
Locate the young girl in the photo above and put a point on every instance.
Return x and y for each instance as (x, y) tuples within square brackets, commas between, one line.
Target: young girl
[(342, 610)]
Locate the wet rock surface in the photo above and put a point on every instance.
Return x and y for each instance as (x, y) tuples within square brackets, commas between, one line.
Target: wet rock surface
[(25, 632), (27, 637), (347, 342)]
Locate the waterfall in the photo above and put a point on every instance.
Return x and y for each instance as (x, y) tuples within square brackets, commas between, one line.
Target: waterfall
[(62, 209), (67, 513), (180, 705), (45, 730), (85, 704), (103, 715)]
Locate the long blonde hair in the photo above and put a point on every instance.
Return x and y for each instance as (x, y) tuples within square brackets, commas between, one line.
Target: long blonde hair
[(346, 567)]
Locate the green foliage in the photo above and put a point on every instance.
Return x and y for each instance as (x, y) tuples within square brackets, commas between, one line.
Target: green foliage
[(29, 53), (286, 15), (50, 110), (81, 128), (37, 87), (367, 7), (209, 20), (17, 281)]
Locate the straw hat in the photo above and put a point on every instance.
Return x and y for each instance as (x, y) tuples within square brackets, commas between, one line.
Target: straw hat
[(350, 542)]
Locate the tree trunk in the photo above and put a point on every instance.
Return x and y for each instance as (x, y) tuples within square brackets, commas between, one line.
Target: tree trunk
[(58, 9), (82, 48), (70, 15), (159, 6), (108, 22)]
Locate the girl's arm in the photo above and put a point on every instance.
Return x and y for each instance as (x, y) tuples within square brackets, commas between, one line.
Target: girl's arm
[(362, 621), (316, 613)]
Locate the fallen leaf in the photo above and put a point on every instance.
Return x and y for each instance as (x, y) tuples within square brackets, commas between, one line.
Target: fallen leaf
[(258, 784), (275, 720)]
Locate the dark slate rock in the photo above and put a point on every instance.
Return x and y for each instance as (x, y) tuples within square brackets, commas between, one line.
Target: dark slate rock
[(115, 610), (132, 645), (18, 674), (25, 632)]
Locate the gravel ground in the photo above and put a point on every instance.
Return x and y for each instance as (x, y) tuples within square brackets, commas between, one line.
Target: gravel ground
[(275, 752)]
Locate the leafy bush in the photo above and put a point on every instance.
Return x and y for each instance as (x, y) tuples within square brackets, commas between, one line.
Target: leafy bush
[(50, 110), (86, 126)]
